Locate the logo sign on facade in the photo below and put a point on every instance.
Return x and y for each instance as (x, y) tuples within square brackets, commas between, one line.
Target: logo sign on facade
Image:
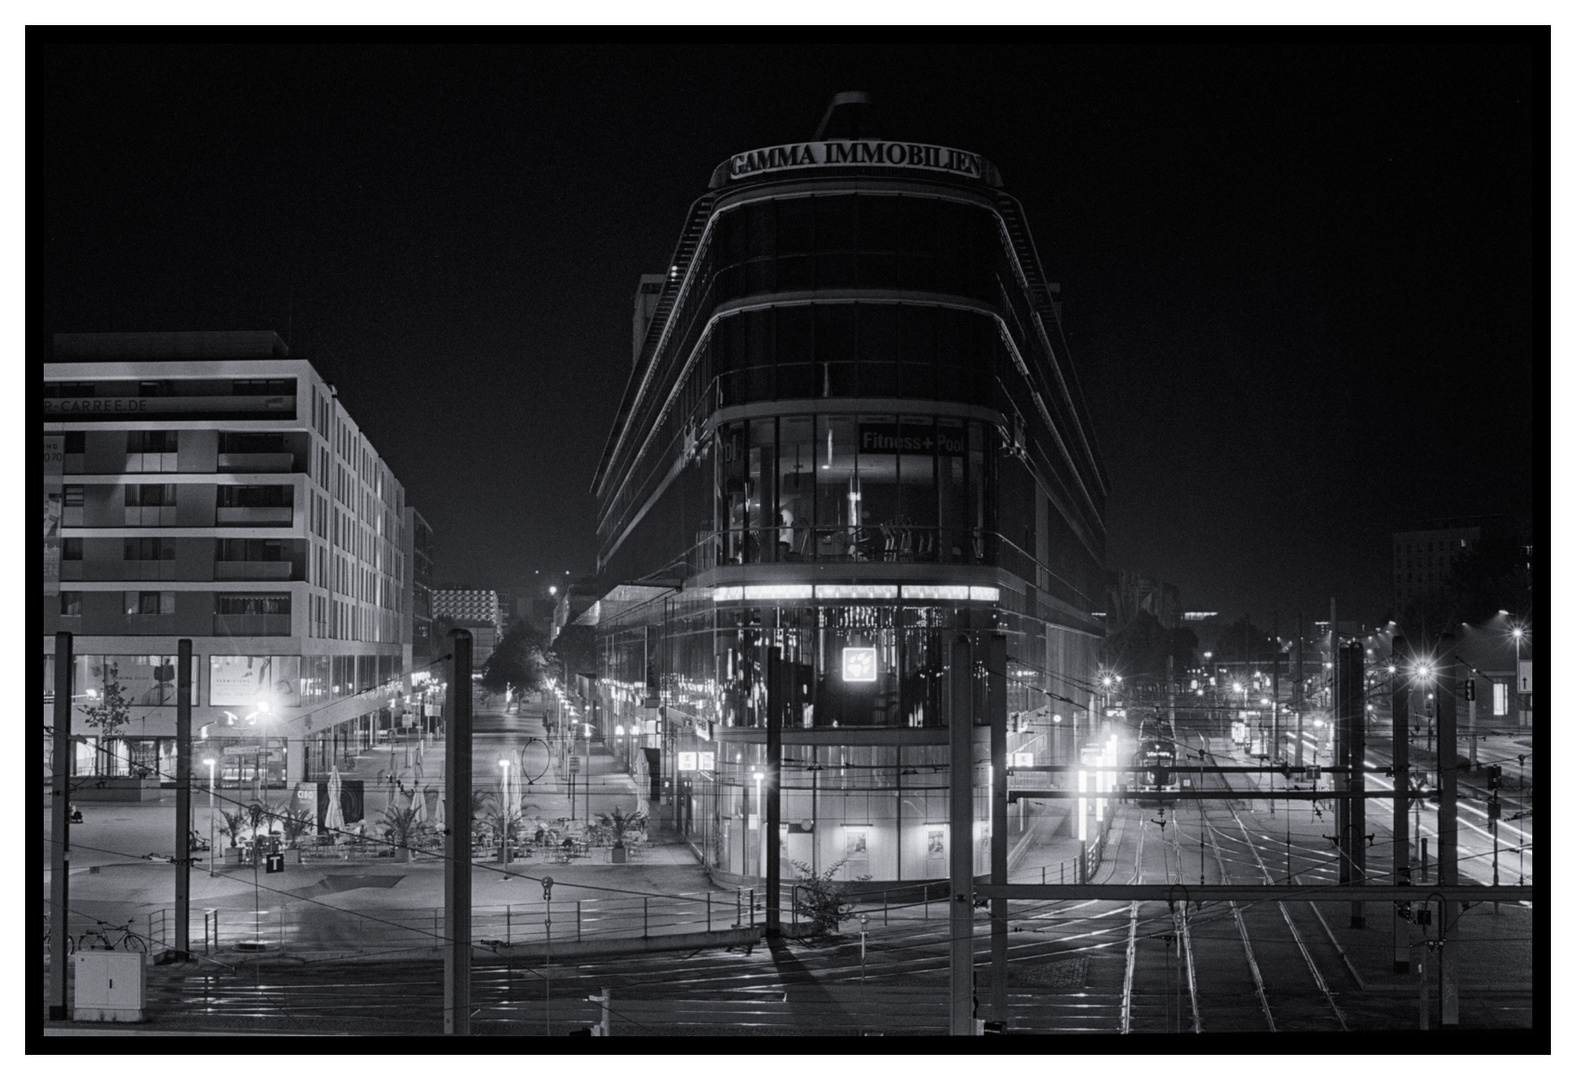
[(687, 761), (890, 439), (845, 152), (859, 664), (1023, 759), (708, 760)]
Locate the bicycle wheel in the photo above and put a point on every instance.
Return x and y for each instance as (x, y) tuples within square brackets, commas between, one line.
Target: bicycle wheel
[(71, 944), (85, 941), (136, 943)]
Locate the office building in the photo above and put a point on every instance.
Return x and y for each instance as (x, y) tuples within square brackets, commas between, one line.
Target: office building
[(209, 486), (851, 431)]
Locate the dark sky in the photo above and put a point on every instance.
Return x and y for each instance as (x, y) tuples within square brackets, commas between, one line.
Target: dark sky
[(1306, 286)]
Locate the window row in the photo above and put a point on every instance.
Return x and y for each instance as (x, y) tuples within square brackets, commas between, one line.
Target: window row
[(852, 488), (853, 350)]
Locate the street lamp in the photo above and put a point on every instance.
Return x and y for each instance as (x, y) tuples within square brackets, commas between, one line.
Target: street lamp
[(257, 767), (212, 836), (1515, 633)]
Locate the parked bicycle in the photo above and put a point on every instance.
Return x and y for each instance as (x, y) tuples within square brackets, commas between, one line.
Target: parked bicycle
[(71, 946), (104, 936)]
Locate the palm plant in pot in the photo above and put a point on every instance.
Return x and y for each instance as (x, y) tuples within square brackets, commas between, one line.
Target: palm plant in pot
[(235, 822), (401, 826), (621, 826)]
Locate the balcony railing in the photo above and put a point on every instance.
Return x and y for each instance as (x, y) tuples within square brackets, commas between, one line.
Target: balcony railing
[(240, 570), (251, 625), (257, 463), (254, 515)]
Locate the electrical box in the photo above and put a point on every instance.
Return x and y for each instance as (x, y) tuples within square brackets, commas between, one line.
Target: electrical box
[(110, 985)]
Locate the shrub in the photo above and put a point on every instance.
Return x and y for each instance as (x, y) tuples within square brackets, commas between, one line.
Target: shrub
[(822, 899)]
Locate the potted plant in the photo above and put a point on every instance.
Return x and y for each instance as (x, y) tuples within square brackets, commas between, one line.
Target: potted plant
[(401, 826), (295, 824), (234, 824), (497, 819), (622, 826)]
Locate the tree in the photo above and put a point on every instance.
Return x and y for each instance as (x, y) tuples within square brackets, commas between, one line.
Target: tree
[(522, 661), (108, 714), (824, 900)]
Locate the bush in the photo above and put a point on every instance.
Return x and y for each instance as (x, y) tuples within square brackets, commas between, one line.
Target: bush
[(822, 899)]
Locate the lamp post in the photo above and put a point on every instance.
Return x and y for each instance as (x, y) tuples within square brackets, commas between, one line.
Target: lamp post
[(212, 847), (503, 764), (1515, 634), (257, 766)]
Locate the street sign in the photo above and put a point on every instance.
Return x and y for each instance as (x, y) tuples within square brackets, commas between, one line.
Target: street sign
[(1035, 781), (1023, 758), (686, 761), (574, 763), (708, 760), (1525, 676), (276, 862)]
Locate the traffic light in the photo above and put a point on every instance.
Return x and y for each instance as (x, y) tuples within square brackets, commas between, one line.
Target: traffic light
[(1493, 777), (1471, 689)]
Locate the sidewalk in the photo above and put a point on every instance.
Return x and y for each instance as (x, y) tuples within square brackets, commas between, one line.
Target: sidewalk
[(342, 905)]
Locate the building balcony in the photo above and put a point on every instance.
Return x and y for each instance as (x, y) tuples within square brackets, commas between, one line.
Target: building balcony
[(254, 515), (236, 570), (257, 463), (251, 625)]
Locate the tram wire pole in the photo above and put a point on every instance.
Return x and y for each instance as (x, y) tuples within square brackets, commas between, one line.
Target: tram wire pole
[(183, 799), (996, 703), (960, 829), (60, 828), (457, 767), (1449, 910), (1401, 857)]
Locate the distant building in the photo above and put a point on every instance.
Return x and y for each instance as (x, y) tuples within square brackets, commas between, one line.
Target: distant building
[(207, 486), (1425, 556), (1130, 593), (468, 606)]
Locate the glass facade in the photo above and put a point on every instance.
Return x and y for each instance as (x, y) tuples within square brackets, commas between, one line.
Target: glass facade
[(850, 437)]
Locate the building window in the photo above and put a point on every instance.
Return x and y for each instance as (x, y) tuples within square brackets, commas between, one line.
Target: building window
[(76, 442), (251, 551), (71, 549), (151, 451), (150, 504), (148, 549), (70, 604), (150, 603)]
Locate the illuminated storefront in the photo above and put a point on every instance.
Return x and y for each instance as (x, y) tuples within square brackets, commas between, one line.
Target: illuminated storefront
[(848, 436)]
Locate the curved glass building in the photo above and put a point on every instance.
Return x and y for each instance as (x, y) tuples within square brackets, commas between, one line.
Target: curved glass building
[(851, 430)]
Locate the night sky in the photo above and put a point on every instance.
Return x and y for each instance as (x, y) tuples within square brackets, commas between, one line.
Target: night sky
[(1306, 287)]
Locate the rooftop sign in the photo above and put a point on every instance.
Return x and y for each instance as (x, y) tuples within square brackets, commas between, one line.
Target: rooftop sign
[(876, 152)]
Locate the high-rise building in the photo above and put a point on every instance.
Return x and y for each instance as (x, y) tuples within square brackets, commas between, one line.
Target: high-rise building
[(208, 486), (851, 432)]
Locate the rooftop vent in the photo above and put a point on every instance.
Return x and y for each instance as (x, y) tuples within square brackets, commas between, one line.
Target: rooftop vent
[(851, 115)]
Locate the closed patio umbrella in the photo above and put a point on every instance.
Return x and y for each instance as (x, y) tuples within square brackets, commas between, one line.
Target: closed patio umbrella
[(334, 816)]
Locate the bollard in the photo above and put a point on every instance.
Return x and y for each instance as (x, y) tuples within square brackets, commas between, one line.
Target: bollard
[(708, 913), (738, 907), (577, 920), (885, 910), (508, 923), (1042, 875), (752, 905), (645, 916)]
